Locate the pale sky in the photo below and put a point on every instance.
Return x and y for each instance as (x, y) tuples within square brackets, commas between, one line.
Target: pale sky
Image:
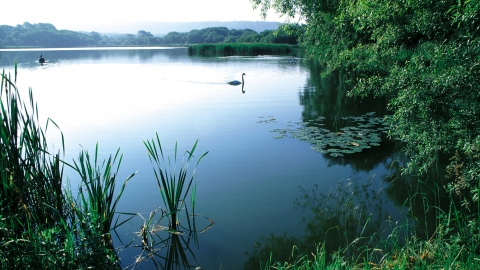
[(86, 15)]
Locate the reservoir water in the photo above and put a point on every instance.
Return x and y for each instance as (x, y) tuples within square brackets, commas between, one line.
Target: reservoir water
[(258, 167)]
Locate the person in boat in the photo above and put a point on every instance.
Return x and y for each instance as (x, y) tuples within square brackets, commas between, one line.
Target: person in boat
[(41, 60)]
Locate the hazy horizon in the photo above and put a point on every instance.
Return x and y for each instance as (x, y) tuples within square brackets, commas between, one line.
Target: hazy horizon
[(102, 15), (163, 28)]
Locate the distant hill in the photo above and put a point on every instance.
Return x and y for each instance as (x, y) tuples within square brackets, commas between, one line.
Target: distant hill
[(162, 28)]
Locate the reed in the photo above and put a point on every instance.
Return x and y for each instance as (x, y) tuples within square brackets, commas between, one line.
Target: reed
[(243, 49), (42, 225), (96, 192), (32, 205), (30, 176), (174, 187)]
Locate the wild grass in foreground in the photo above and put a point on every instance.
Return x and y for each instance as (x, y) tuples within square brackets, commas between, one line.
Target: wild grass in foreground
[(41, 224), (439, 252), (454, 243), (44, 226), (242, 49)]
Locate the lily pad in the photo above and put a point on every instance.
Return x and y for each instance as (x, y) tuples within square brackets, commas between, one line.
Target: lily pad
[(362, 133)]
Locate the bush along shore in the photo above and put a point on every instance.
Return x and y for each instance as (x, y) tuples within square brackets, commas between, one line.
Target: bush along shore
[(44, 226), (424, 58), (242, 49)]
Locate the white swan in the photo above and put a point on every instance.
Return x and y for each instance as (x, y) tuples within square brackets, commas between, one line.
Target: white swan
[(237, 82)]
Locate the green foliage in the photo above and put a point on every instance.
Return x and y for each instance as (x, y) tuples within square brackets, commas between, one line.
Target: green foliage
[(43, 226), (283, 35), (173, 188), (42, 35), (423, 55), (46, 35), (346, 230), (30, 177), (245, 49), (97, 189)]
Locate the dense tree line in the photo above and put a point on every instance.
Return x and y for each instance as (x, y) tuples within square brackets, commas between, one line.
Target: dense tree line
[(46, 35), (425, 56)]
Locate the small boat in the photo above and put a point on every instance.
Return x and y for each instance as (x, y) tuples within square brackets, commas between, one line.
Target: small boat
[(41, 60)]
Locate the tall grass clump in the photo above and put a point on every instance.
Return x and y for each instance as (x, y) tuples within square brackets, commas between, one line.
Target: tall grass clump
[(243, 49), (97, 189), (168, 247), (42, 225), (173, 187), (31, 198)]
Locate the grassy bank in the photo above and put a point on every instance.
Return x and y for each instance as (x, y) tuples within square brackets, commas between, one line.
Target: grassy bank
[(243, 49), (439, 252), (348, 230)]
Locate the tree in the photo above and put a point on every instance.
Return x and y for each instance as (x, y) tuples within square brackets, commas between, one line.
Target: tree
[(174, 38), (144, 34), (195, 37), (423, 54)]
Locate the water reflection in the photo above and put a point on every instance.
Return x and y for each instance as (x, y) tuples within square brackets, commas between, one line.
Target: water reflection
[(424, 197), (327, 97), (184, 109), (366, 162), (350, 219), (29, 58), (355, 216), (347, 131), (156, 245)]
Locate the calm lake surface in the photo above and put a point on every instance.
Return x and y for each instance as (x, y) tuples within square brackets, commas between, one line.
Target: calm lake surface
[(248, 182)]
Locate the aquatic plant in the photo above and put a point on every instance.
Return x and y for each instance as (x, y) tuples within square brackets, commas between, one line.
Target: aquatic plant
[(431, 236), (41, 224), (173, 188), (244, 49), (363, 132), (171, 251), (96, 191)]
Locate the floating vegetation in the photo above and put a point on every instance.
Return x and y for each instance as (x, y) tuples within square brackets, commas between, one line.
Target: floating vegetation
[(363, 132), (269, 120)]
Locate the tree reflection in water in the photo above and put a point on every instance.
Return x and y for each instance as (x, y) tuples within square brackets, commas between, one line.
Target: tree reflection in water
[(423, 196), (165, 248), (349, 220)]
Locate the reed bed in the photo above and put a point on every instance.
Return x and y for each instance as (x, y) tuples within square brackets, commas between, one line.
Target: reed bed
[(44, 226), (241, 49)]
